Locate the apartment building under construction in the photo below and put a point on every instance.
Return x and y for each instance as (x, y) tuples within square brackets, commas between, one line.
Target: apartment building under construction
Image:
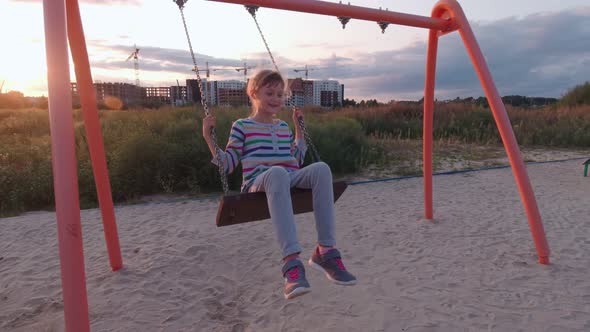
[(228, 93), (128, 94), (220, 93)]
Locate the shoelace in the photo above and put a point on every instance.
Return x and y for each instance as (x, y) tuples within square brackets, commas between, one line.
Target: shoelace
[(293, 274)]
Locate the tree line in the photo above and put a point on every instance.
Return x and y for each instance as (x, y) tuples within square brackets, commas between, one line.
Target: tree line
[(513, 100), (16, 100)]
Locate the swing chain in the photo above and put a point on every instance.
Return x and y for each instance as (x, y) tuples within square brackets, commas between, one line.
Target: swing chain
[(220, 165), (252, 10), (314, 153), (315, 156)]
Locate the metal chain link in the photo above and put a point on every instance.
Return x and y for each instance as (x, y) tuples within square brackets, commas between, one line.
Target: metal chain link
[(220, 165), (315, 156)]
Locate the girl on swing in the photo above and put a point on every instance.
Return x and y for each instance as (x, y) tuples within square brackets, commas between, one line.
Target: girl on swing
[(271, 162)]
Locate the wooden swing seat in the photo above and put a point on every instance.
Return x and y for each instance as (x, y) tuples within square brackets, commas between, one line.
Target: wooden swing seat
[(247, 207)]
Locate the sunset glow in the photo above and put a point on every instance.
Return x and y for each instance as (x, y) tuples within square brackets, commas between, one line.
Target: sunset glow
[(369, 63)]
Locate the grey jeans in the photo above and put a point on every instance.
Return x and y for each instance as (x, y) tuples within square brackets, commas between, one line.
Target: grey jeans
[(277, 183)]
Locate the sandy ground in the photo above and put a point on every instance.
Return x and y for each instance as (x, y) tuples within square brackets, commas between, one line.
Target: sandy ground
[(473, 269)]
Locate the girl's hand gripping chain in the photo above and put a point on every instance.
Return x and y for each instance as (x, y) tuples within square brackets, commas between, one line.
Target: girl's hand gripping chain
[(297, 115)]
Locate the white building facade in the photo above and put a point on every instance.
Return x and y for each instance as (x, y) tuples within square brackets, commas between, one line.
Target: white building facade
[(221, 93), (327, 93), (322, 93)]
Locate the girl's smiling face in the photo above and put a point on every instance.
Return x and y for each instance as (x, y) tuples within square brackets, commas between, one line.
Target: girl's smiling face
[(269, 99)]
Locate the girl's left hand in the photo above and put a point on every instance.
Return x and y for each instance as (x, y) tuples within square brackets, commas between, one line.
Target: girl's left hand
[(297, 113)]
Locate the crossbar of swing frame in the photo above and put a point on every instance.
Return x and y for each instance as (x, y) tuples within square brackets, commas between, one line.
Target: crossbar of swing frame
[(351, 11), (60, 112)]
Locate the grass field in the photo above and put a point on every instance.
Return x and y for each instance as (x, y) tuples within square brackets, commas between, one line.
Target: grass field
[(162, 151)]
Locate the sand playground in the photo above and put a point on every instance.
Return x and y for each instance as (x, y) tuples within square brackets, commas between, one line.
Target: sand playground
[(473, 269)]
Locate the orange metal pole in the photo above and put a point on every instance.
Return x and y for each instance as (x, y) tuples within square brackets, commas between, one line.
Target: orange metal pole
[(527, 195), (428, 120), (93, 131), (65, 179), (356, 12)]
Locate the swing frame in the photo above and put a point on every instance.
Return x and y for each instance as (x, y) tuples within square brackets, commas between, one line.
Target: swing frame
[(63, 24)]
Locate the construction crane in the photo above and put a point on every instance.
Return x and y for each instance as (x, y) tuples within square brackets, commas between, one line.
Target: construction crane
[(245, 70), (178, 95), (135, 56), (208, 70), (306, 70)]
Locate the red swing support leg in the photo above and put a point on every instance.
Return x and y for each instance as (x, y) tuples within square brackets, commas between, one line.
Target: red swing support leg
[(61, 22), (65, 179), (428, 121), (452, 10), (93, 132)]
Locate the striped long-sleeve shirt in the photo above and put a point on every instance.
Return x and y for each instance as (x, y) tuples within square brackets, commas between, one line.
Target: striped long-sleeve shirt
[(259, 146)]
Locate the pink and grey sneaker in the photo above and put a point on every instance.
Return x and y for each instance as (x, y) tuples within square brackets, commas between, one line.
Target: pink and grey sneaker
[(295, 282), (331, 264)]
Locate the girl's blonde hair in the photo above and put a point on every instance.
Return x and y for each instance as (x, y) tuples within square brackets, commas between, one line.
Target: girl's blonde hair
[(263, 78)]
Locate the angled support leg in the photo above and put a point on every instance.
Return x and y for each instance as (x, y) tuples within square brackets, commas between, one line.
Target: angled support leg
[(452, 9), (93, 131)]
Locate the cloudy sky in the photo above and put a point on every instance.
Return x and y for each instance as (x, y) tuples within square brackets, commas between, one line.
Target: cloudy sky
[(533, 47)]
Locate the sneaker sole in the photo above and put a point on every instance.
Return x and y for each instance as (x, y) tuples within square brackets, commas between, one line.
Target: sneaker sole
[(321, 269), (297, 292)]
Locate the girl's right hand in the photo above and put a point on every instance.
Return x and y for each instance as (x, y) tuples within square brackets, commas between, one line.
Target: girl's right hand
[(208, 123)]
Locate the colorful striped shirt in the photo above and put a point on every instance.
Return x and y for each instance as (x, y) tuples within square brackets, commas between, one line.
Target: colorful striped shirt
[(259, 146)]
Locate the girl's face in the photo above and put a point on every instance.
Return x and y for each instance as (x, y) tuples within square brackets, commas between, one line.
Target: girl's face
[(270, 98)]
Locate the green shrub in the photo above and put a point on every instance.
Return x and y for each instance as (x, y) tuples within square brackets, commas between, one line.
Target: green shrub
[(579, 95), (163, 151), (340, 142), (26, 179)]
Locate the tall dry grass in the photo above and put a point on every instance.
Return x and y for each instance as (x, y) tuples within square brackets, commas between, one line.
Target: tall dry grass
[(162, 151), (469, 123)]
